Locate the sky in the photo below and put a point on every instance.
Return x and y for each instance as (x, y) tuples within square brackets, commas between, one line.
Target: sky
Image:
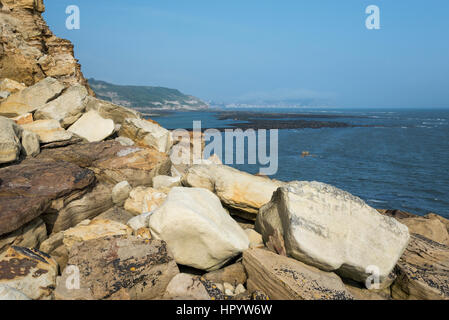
[(308, 52)]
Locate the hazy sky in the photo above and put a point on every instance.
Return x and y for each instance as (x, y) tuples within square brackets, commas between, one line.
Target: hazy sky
[(317, 52)]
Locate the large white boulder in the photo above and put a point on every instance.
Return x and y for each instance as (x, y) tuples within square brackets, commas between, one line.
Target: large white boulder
[(92, 127), (333, 230), (197, 229), (147, 133), (10, 134)]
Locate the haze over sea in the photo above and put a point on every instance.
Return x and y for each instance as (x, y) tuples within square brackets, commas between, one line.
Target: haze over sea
[(399, 162)]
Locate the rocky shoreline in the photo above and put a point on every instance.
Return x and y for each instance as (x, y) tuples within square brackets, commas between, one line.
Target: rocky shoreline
[(92, 207)]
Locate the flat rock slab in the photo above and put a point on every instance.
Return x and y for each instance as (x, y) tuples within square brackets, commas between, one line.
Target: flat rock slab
[(282, 278), (118, 267), (27, 189)]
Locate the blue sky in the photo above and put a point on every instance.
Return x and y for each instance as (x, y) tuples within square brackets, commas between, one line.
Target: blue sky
[(316, 52)]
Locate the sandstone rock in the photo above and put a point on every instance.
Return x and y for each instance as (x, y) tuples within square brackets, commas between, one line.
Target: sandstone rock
[(440, 218), (48, 131), (120, 192), (147, 133), (188, 287), (140, 268), (255, 239), (92, 127), (432, 229), (332, 230), (283, 278), (143, 200), (116, 214), (10, 134), (31, 235), (55, 247), (197, 229), (234, 274), (236, 189), (66, 109), (24, 119), (111, 111), (9, 294), (29, 271), (11, 86), (364, 294), (94, 230), (127, 142), (161, 182), (27, 189), (31, 98), (30, 143), (423, 271)]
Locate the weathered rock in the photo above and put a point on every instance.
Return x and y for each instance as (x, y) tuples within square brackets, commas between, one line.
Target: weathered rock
[(146, 133), (432, 229), (423, 271), (23, 119), (140, 268), (48, 131), (66, 109), (124, 141), (140, 221), (92, 127), (29, 271), (30, 143), (55, 247), (31, 98), (116, 214), (161, 182), (332, 230), (120, 192), (255, 239), (111, 111), (11, 86), (197, 229), (234, 274), (31, 235), (364, 294), (440, 218), (236, 189), (398, 214), (283, 278), (27, 189), (188, 287), (143, 200), (10, 134), (4, 95), (87, 207), (9, 294)]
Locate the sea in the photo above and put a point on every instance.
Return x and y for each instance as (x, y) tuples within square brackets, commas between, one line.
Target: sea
[(398, 160)]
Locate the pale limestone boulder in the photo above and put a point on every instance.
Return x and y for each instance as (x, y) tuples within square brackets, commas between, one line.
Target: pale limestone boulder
[(67, 108), (282, 278), (120, 192), (142, 200), (92, 127), (10, 134), (333, 230), (197, 229), (189, 287), (161, 182), (140, 221), (147, 133), (29, 271), (236, 189), (111, 111), (10, 294), (30, 143), (48, 131), (31, 98)]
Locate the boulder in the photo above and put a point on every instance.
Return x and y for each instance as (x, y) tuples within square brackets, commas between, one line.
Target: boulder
[(440, 218), (423, 271), (143, 200), (197, 229), (31, 235), (282, 278), (9, 294), (333, 230), (255, 239), (114, 267), (27, 189), (92, 127), (147, 133), (66, 109), (116, 214), (10, 134), (120, 192), (111, 111), (29, 271), (48, 131), (32, 98), (23, 119), (238, 190), (30, 143), (11, 86), (189, 287), (161, 182), (234, 274), (432, 229)]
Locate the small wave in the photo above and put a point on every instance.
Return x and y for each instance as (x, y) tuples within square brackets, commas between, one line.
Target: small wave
[(377, 201)]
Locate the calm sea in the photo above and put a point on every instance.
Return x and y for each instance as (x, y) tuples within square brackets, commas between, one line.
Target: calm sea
[(400, 163)]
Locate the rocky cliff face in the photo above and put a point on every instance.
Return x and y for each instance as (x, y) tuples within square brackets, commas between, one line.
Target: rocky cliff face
[(29, 51)]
